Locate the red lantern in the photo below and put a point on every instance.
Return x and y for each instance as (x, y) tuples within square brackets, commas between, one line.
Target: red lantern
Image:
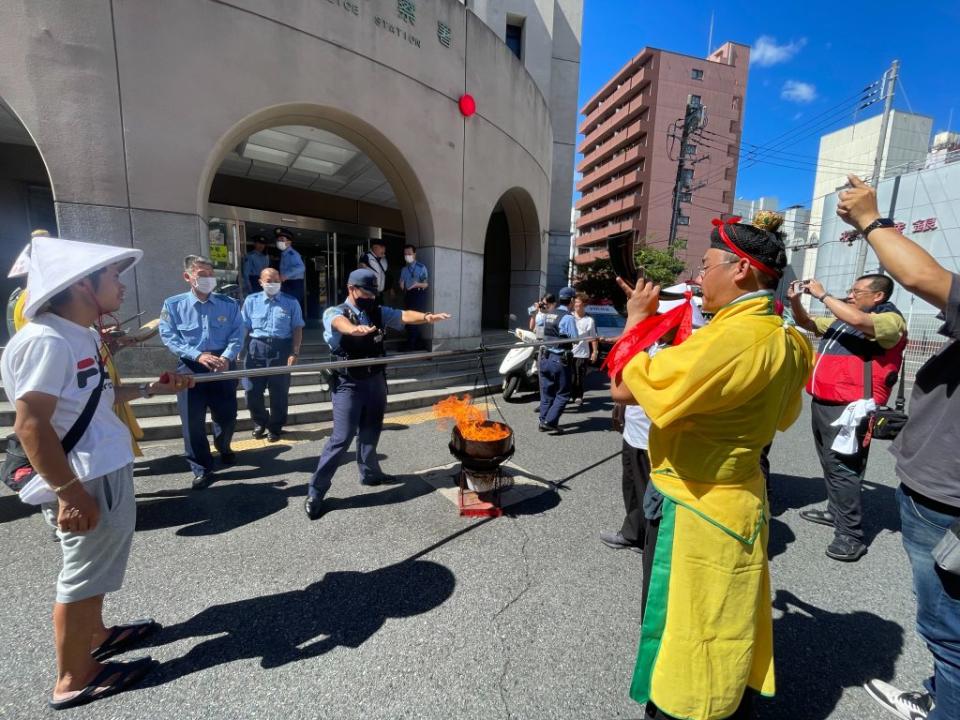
[(468, 106)]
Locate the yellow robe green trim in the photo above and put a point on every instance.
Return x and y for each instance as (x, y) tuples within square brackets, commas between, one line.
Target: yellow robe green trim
[(714, 402)]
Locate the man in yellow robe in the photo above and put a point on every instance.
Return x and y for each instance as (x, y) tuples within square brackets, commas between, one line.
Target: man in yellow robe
[(715, 401)]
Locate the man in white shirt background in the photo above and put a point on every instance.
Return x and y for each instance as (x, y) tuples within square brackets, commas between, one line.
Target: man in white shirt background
[(585, 352), (376, 259)]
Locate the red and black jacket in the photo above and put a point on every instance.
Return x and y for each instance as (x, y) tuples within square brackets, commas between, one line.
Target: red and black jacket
[(838, 372)]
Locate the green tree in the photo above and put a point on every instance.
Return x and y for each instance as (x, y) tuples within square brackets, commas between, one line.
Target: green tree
[(597, 280)]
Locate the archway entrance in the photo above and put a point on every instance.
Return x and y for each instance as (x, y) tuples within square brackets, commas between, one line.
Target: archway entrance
[(319, 188), (26, 197), (512, 273)]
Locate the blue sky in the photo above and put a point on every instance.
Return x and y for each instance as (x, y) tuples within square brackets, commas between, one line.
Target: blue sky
[(812, 57)]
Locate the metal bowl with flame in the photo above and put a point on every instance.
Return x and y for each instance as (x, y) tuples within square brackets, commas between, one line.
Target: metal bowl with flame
[(481, 459)]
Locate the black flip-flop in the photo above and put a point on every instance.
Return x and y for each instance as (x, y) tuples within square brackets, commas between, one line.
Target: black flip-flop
[(125, 676), (118, 642)]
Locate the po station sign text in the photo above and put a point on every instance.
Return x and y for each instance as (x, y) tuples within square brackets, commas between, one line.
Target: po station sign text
[(401, 25)]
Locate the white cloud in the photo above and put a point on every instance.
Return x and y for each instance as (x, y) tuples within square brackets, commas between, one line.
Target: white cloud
[(766, 52), (798, 92)]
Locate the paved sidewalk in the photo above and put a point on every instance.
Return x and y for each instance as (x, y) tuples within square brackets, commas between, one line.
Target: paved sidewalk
[(392, 606)]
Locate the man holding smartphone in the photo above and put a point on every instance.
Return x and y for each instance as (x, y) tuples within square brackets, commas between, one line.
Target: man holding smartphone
[(925, 451), (859, 358)]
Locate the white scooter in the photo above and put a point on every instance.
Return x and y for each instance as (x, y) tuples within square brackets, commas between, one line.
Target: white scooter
[(519, 367)]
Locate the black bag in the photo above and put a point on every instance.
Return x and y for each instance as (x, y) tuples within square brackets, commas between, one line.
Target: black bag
[(885, 423), (16, 470)]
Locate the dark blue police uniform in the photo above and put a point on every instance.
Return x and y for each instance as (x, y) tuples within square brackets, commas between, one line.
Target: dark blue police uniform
[(270, 322), (190, 327), (555, 362), (359, 394)]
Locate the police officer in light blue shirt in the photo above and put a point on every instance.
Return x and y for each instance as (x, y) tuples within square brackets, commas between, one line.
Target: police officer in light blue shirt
[(253, 264), (355, 330), (414, 283), (274, 327), (205, 331), (292, 268), (556, 361)]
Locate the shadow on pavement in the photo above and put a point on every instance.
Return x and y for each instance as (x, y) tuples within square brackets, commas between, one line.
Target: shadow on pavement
[(12, 509), (344, 609), (880, 512), (780, 537), (813, 664)]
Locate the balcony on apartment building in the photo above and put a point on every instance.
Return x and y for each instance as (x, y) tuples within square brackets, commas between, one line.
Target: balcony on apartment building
[(627, 90), (598, 236), (623, 161), (602, 142), (634, 66), (624, 114), (625, 182), (620, 138), (584, 258), (611, 208)]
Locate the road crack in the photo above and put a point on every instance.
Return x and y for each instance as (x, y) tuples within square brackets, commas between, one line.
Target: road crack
[(525, 586)]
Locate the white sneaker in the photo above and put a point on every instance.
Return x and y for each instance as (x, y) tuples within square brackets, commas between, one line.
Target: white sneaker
[(905, 705)]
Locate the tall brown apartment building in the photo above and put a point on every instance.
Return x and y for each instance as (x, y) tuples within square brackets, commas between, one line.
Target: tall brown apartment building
[(630, 162)]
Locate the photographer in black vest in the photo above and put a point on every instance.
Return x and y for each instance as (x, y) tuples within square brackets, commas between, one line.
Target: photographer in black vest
[(355, 330)]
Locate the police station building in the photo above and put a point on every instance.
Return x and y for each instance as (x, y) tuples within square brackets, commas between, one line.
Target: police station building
[(191, 126)]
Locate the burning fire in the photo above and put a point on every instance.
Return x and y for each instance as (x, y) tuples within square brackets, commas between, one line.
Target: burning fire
[(469, 419)]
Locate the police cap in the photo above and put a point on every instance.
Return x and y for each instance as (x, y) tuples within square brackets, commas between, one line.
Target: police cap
[(364, 279)]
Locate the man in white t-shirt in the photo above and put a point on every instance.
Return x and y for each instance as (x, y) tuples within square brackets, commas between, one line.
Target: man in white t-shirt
[(585, 352), (51, 369)]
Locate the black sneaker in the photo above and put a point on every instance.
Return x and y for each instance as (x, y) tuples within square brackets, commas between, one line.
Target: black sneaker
[(617, 541), (258, 432), (273, 436), (313, 507), (202, 481), (846, 549), (905, 705)]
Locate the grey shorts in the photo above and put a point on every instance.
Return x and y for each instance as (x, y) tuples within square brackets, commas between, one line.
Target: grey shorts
[(94, 562)]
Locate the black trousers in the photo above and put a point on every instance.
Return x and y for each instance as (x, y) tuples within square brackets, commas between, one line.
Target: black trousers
[(581, 366), (636, 476), (843, 474)]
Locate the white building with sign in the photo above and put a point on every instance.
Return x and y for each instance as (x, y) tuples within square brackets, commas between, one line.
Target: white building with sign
[(926, 205), (190, 126)]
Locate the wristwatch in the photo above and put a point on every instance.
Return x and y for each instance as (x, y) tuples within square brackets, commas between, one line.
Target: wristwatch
[(145, 390), (823, 298), (878, 223)]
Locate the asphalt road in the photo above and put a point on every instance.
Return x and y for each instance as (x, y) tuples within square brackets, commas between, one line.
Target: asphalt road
[(392, 606)]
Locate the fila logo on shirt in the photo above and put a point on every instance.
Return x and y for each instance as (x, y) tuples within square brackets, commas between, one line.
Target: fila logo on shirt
[(86, 369)]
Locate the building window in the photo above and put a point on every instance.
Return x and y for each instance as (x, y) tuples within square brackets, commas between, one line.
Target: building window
[(682, 219), (686, 197), (694, 100), (686, 175), (514, 37), (696, 74), (689, 149), (735, 103), (734, 126)]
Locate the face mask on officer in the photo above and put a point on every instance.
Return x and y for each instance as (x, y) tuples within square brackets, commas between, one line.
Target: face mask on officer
[(409, 258), (282, 245), (271, 289), (205, 285), (366, 304)]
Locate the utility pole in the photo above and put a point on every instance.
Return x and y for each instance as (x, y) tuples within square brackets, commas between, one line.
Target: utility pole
[(890, 85), (691, 121)]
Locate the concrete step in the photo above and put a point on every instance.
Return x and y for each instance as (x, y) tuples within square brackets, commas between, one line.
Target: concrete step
[(169, 427)]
